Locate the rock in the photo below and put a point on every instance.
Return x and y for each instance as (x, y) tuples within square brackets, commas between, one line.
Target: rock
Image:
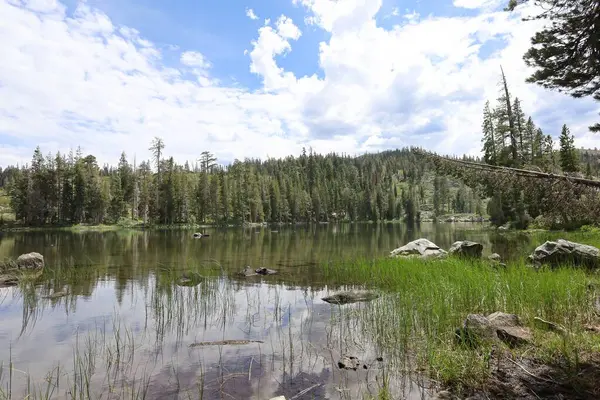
[(350, 297), (466, 248), (56, 295), (248, 272), (265, 271), (503, 319), (189, 280), (30, 261), (259, 271), (592, 328), (278, 398), (509, 329), (564, 252), (495, 257), (7, 281), (597, 306), (349, 362), (197, 235), (225, 343), (480, 326), (497, 326), (420, 247), (514, 336)]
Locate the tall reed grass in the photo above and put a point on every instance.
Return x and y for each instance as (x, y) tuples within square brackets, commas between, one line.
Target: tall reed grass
[(425, 302)]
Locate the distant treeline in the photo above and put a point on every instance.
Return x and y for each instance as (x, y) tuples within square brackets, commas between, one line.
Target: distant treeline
[(72, 189)]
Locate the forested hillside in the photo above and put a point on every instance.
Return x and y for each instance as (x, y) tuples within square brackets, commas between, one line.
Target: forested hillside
[(72, 189), (391, 185)]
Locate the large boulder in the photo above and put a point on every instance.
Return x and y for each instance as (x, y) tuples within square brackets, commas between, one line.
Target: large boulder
[(466, 248), (30, 261), (564, 252), (421, 247), (479, 329)]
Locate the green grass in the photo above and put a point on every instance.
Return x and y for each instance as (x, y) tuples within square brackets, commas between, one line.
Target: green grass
[(425, 302)]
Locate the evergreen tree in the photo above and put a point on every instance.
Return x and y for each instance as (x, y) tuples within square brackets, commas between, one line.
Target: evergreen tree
[(489, 138), (568, 154), (565, 52), (520, 129)]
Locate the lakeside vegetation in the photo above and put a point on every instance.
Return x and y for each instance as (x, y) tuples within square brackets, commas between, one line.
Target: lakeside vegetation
[(411, 326)]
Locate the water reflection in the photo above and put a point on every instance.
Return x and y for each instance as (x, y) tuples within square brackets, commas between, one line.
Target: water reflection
[(124, 326)]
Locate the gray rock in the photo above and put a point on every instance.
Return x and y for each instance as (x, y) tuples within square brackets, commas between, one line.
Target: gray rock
[(420, 247), (480, 326), (350, 297), (495, 257), (30, 261), (248, 272), (265, 271), (503, 319), (514, 336), (349, 362), (497, 326), (564, 252), (466, 248), (259, 271)]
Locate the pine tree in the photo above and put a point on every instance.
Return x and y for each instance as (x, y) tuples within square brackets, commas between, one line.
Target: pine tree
[(530, 141), (568, 153), (565, 52), (506, 114), (520, 128), (489, 139)]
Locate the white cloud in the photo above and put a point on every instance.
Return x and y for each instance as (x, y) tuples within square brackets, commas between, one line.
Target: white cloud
[(194, 59), (250, 14), (473, 4), (272, 42), (81, 80)]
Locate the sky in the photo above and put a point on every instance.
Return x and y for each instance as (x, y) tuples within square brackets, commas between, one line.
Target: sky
[(264, 78)]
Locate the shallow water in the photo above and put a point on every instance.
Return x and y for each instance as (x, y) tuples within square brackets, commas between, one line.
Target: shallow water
[(129, 326)]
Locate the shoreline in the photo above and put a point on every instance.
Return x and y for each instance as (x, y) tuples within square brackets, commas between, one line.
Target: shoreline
[(142, 227)]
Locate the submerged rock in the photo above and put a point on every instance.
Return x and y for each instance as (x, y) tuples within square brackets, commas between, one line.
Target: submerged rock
[(259, 271), (349, 362), (350, 297), (420, 247), (564, 252), (248, 272), (478, 328), (8, 280), (189, 280), (265, 271), (466, 248), (57, 295), (225, 343), (30, 261)]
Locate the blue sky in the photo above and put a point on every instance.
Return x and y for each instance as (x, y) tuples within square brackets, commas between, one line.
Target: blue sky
[(249, 78)]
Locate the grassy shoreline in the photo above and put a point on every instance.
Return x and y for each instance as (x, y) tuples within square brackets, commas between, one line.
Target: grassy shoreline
[(414, 322)]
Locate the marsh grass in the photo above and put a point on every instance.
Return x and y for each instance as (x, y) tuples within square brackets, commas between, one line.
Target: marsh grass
[(414, 323)]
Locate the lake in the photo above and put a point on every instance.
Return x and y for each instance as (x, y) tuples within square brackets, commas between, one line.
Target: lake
[(130, 327)]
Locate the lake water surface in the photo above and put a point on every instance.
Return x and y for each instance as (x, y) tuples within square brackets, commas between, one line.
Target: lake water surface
[(126, 326)]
